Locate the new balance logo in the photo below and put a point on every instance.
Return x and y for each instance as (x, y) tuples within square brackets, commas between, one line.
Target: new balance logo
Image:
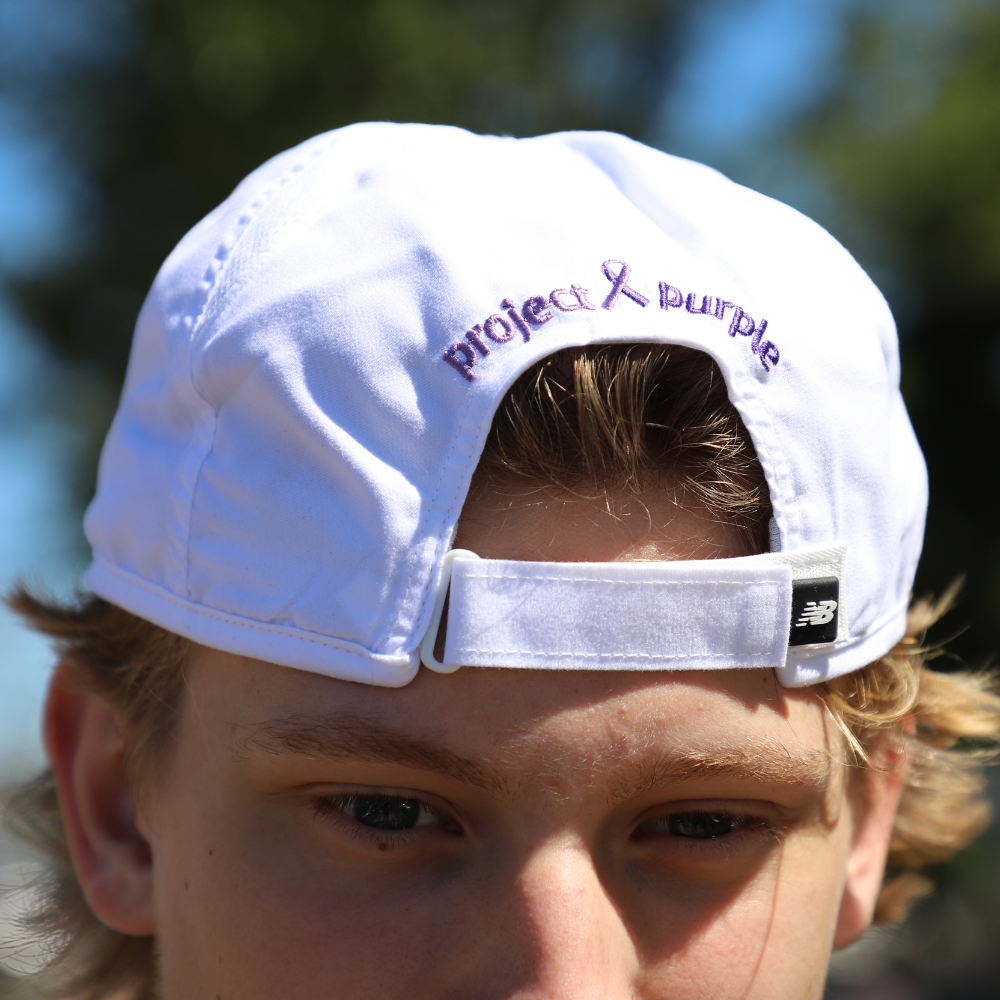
[(814, 611), (817, 613)]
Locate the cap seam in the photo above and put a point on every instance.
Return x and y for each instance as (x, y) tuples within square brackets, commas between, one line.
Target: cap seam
[(770, 453), (418, 580), (205, 289), (235, 233)]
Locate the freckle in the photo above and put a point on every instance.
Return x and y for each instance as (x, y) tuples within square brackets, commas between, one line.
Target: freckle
[(211, 851), (187, 885), (220, 960), (383, 847)]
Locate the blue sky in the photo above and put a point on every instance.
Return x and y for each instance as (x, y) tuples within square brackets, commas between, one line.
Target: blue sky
[(37, 529), (753, 64)]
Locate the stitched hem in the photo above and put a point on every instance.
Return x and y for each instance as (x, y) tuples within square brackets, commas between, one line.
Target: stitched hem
[(284, 645), (739, 584), (616, 656), (516, 662)]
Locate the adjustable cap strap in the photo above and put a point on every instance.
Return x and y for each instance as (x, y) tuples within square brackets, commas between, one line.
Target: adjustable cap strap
[(684, 615)]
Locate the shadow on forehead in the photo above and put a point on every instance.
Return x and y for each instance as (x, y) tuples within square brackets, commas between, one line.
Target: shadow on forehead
[(523, 696), (491, 730), (552, 691)]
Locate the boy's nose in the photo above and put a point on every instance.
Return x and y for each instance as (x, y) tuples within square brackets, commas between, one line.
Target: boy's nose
[(578, 947)]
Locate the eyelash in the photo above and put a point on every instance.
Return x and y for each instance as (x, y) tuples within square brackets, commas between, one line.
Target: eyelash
[(741, 826), (339, 808), (742, 830)]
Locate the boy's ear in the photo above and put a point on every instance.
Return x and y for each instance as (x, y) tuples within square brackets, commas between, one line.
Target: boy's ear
[(110, 855), (876, 807)]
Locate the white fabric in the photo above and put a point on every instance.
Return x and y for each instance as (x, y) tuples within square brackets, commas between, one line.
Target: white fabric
[(292, 451), (711, 614), (682, 615)]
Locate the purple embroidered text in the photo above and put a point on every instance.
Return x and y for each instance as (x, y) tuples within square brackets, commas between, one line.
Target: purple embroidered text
[(500, 328)]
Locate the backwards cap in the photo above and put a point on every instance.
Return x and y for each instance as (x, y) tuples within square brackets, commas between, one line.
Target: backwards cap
[(315, 371)]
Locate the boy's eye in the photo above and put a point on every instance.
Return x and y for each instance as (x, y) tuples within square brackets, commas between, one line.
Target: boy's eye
[(696, 825), (387, 812)]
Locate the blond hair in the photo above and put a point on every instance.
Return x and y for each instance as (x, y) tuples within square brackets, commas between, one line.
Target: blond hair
[(611, 418)]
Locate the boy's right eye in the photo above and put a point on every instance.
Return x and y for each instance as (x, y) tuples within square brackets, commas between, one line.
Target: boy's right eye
[(383, 812), (694, 825)]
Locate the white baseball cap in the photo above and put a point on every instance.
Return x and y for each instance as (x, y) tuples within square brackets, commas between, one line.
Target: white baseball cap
[(316, 367)]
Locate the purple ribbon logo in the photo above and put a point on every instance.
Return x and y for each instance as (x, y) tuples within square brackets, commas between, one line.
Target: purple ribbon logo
[(619, 285)]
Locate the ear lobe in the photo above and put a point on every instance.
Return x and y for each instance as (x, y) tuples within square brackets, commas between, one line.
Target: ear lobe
[(110, 855), (866, 862)]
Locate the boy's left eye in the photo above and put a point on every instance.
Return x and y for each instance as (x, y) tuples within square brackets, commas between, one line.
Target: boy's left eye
[(698, 825), (384, 812)]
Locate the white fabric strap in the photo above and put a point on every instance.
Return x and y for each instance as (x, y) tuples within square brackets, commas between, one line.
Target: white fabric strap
[(684, 615)]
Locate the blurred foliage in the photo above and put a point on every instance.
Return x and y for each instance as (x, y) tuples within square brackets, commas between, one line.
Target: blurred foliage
[(194, 94), (910, 140)]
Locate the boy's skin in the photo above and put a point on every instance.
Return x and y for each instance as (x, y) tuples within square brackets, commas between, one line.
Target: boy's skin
[(531, 881)]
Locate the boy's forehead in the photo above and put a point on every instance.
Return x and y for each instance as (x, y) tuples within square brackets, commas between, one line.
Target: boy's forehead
[(495, 722), (514, 522)]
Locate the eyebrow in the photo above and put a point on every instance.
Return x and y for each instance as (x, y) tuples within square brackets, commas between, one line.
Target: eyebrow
[(364, 739), (360, 738), (768, 761)]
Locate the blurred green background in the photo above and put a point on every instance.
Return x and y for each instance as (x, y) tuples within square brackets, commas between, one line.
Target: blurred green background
[(122, 122)]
